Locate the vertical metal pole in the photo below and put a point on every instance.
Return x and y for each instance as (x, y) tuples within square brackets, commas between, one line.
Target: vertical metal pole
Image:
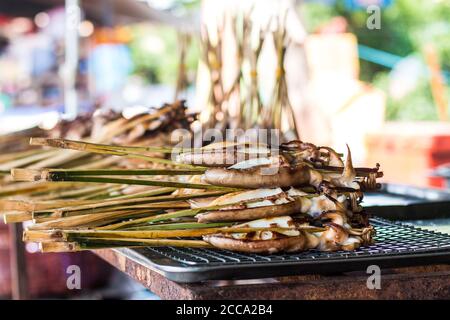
[(18, 264), (107, 13), (73, 14)]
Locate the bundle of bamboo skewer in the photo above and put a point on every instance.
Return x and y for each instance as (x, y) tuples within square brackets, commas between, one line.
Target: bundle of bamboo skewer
[(233, 97), (105, 127), (242, 197)]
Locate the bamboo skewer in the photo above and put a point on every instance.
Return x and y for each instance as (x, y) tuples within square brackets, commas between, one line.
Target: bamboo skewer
[(79, 193), (150, 193), (156, 218), (168, 216), (97, 147), (61, 158), (64, 174), (181, 225), (71, 213), (93, 244), (74, 235), (152, 234), (26, 205), (112, 191), (120, 149), (16, 216), (98, 164), (118, 127), (137, 201), (92, 220), (29, 187), (42, 211), (84, 146), (33, 175), (20, 155), (27, 160)]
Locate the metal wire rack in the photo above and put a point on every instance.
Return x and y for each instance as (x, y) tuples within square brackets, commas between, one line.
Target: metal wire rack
[(396, 244)]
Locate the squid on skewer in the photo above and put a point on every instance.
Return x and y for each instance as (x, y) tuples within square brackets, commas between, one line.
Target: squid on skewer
[(280, 171), (334, 237), (268, 203), (228, 153)]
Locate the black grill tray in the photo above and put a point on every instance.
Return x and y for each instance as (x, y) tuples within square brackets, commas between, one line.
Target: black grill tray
[(403, 202), (395, 245)]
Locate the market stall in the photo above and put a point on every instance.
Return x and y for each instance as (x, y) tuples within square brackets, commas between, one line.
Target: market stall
[(270, 170)]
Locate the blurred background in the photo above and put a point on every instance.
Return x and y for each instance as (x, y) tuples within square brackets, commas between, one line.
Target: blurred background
[(370, 73)]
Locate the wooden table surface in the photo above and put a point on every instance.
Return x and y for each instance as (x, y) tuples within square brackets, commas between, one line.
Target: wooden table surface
[(422, 282)]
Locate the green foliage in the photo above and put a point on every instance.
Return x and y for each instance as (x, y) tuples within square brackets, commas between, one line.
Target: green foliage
[(406, 27), (155, 50), (316, 14), (155, 53), (416, 106)]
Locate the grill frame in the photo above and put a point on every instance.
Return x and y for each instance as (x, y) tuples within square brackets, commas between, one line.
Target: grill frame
[(416, 203), (415, 246)]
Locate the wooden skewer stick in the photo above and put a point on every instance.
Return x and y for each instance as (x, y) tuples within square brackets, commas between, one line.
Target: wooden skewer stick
[(32, 187), (37, 175), (75, 235), (90, 220), (53, 235), (181, 225), (104, 149), (147, 193), (93, 244), (156, 218), (138, 201), (78, 193), (27, 160), (89, 146), (151, 234), (66, 174), (16, 216), (56, 214), (97, 147)]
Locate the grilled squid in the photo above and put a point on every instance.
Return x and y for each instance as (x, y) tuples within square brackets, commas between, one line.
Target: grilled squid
[(335, 237), (319, 156), (275, 172), (268, 242), (255, 204), (331, 157), (266, 203), (282, 244), (223, 154), (280, 171), (228, 153), (275, 198), (338, 237), (347, 179)]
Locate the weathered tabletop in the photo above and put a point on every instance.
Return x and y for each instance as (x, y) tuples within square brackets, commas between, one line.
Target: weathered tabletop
[(422, 282)]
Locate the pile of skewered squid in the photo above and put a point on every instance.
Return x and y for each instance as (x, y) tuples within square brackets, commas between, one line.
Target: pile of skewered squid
[(242, 197), (302, 186)]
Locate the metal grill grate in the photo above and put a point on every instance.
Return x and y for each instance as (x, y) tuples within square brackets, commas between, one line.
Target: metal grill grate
[(392, 239)]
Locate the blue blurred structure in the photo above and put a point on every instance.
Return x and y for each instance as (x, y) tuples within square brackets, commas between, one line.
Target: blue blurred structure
[(385, 59), (363, 4), (110, 65)]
